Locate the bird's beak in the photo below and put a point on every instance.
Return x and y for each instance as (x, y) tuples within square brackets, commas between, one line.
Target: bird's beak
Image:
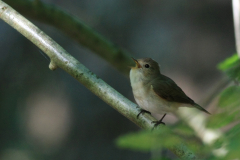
[(137, 64)]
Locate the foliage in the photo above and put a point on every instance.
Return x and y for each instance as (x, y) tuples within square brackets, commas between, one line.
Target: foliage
[(231, 66), (148, 140), (227, 113), (165, 137), (234, 142)]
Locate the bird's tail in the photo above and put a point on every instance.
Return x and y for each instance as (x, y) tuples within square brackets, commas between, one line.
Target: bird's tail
[(201, 108)]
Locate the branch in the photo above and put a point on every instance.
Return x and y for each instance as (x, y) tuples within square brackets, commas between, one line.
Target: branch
[(197, 121), (236, 21), (60, 58), (75, 29)]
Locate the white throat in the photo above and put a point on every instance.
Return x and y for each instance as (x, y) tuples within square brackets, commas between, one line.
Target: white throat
[(136, 78)]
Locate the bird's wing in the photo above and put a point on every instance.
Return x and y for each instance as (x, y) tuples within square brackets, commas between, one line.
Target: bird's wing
[(167, 89)]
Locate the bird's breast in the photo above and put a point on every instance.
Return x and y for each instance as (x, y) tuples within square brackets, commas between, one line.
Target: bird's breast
[(146, 98)]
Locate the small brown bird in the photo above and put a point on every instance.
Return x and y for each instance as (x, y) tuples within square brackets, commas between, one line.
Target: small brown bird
[(156, 93)]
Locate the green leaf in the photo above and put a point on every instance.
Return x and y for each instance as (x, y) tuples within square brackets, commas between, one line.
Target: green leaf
[(230, 98), (233, 132), (142, 141), (147, 140), (219, 142), (231, 67), (233, 142), (229, 62), (233, 148), (233, 154), (234, 72), (221, 119), (183, 129)]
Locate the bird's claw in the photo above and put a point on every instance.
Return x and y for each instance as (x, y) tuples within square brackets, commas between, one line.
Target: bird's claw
[(158, 123), (142, 111)]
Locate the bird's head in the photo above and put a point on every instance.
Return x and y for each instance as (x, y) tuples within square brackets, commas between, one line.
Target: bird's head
[(146, 67)]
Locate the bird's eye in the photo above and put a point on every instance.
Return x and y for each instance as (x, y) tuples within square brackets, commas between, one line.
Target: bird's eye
[(146, 65)]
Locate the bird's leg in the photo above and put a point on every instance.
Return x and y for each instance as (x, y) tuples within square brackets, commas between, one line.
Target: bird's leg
[(143, 111), (159, 122)]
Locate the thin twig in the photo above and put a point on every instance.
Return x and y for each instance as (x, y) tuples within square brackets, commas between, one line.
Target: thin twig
[(60, 58)]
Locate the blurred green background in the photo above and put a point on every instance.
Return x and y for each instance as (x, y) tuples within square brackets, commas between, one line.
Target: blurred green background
[(49, 115)]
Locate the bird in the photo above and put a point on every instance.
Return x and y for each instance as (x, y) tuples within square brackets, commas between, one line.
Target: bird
[(155, 92)]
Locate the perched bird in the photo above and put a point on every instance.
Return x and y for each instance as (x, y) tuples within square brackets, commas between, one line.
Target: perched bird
[(156, 93)]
